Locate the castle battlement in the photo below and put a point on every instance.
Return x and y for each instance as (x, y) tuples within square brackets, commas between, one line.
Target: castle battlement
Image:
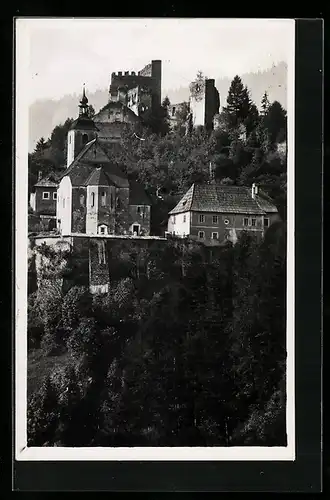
[(150, 76), (120, 74)]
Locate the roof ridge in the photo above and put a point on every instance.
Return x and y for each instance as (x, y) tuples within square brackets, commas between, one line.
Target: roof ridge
[(192, 195), (77, 158)]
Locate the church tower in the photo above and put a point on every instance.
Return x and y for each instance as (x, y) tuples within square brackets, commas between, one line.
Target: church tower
[(82, 130)]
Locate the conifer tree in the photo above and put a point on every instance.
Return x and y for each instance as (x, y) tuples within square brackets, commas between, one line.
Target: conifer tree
[(276, 122), (41, 145), (43, 415), (238, 103), (264, 104)]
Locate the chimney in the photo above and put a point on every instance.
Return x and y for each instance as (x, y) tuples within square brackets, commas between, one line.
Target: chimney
[(211, 172), (254, 190)]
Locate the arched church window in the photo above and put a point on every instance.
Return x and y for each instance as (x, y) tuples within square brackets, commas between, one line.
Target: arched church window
[(85, 138), (82, 200), (70, 139), (92, 199), (103, 198)]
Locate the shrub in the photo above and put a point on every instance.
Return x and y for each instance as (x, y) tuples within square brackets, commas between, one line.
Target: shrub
[(43, 415), (77, 303)]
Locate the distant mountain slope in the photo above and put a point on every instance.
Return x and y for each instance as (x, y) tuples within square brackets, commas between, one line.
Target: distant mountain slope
[(45, 114), (274, 80)]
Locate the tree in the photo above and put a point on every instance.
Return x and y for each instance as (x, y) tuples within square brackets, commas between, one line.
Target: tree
[(41, 145), (157, 119), (238, 103), (252, 120), (69, 403), (276, 122), (43, 415), (58, 141), (182, 115), (264, 104)]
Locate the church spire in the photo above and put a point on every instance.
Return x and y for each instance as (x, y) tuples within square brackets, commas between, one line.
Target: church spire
[(83, 106)]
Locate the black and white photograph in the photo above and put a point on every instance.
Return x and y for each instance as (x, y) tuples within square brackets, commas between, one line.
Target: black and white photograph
[(155, 227)]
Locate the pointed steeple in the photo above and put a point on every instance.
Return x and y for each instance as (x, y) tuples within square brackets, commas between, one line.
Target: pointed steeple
[(83, 106)]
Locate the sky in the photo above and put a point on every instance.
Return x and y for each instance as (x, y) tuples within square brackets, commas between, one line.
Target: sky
[(63, 54)]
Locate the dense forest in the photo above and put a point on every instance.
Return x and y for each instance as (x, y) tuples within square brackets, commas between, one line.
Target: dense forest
[(188, 346)]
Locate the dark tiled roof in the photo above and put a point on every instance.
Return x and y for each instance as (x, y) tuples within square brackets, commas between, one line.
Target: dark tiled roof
[(82, 168), (98, 178), (137, 195), (46, 182), (223, 199), (83, 123), (117, 105), (50, 180)]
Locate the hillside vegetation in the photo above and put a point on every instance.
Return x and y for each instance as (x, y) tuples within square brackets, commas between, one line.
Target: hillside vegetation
[(188, 347)]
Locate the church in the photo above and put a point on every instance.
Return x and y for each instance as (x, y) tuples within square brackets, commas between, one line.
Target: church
[(94, 195)]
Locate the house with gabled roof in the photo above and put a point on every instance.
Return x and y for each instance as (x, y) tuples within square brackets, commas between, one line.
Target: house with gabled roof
[(214, 213), (94, 195), (43, 200)]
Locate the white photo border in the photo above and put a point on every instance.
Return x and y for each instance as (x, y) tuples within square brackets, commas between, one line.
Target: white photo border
[(24, 453)]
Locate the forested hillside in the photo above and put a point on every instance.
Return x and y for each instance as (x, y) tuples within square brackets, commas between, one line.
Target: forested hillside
[(188, 346), (243, 149)]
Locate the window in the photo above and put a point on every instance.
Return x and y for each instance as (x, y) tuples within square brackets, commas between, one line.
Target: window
[(82, 200), (245, 221), (136, 229), (85, 138), (138, 209), (201, 235), (215, 219), (214, 236), (253, 222), (103, 198), (55, 196), (184, 218), (201, 219), (92, 199), (266, 222), (103, 229), (45, 195), (63, 204), (70, 139), (118, 203), (173, 219), (173, 111), (226, 221)]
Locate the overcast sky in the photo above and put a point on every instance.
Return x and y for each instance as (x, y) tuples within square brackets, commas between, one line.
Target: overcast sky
[(65, 53)]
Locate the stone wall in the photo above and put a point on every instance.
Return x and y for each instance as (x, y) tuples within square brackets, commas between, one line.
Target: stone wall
[(140, 214), (79, 209), (212, 103), (122, 211), (99, 275), (149, 76)]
